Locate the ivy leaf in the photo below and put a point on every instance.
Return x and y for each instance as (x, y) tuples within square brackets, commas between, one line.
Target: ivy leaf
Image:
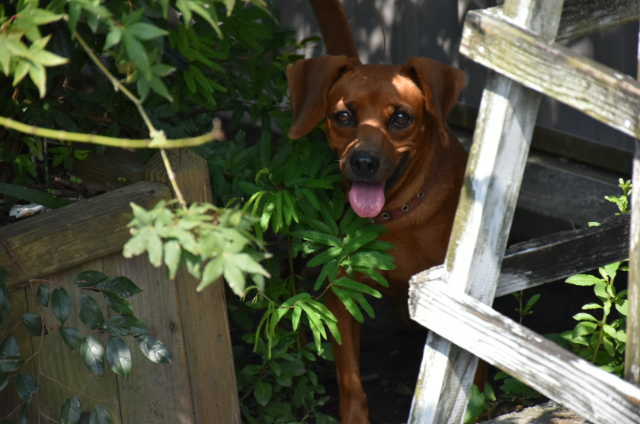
[(26, 386), (33, 322), (100, 415), (72, 337), (43, 294), (10, 348), (61, 304), (154, 350), (263, 392), (119, 356), (90, 312), (121, 286), (71, 411), (93, 353)]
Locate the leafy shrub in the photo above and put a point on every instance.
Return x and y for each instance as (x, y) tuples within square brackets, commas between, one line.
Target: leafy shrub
[(100, 343)]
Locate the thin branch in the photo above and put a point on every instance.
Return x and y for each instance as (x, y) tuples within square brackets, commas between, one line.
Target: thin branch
[(129, 143)]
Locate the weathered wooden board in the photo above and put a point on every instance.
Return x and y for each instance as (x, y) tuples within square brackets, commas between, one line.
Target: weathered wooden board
[(596, 90), (154, 394), (205, 325), (494, 173), (561, 255), (556, 256), (558, 374), (632, 352), (75, 234), (582, 17)]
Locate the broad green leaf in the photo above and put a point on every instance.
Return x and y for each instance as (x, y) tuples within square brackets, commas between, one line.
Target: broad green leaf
[(120, 286), (145, 31), (137, 53), (583, 316), (38, 75), (324, 257), (26, 386), (118, 304), (295, 317), (349, 303), (350, 284), (119, 356), (583, 280), (154, 350), (93, 354), (31, 195), (263, 392), (71, 411), (61, 304), (212, 271), (113, 37), (90, 312), (235, 279), (172, 254), (33, 322), (72, 337)]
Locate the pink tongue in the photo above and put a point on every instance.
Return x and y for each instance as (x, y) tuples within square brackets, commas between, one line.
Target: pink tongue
[(367, 200)]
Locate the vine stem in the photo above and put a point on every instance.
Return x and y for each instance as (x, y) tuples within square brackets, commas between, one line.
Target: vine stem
[(153, 132)]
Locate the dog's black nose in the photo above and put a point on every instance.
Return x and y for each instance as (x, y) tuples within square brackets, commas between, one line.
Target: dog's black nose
[(364, 164)]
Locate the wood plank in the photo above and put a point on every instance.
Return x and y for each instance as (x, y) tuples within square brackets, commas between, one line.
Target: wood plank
[(205, 324), (494, 173), (158, 394), (554, 70), (62, 371), (556, 256), (583, 17), (556, 373), (632, 351), (83, 231)]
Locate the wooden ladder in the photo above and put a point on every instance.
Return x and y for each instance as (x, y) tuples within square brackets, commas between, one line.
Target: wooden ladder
[(520, 42)]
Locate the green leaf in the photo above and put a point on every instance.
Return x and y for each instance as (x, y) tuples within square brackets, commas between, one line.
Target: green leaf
[(89, 278), (9, 355), (61, 304), (90, 312), (349, 303), (137, 53), (235, 279), (71, 411), (26, 386), (583, 280), (350, 284), (31, 195), (42, 294), (263, 392), (93, 354), (72, 337), (160, 88), (212, 272), (119, 356), (113, 38), (154, 350), (172, 255), (33, 322), (38, 75), (583, 316), (324, 257), (120, 286), (100, 415), (609, 270), (590, 306), (145, 31), (295, 317)]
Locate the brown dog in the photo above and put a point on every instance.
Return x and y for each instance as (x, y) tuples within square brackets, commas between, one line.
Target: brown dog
[(404, 167)]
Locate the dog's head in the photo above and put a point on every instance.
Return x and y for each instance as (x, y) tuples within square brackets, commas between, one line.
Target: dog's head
[(378, 117)]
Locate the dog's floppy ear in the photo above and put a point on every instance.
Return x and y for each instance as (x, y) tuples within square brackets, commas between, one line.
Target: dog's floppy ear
[(309, 84), (440, 83)]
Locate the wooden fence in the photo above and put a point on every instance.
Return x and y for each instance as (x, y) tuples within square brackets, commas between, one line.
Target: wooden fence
[(520, 42), (199, 386)]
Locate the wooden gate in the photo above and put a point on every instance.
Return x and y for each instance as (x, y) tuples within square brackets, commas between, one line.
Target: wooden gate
[(520, 42)]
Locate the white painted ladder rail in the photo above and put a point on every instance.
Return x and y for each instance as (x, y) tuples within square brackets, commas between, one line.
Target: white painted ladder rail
[(501, 143)]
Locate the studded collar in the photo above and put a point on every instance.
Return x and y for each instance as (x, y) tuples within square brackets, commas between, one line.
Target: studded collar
[(389, 215)]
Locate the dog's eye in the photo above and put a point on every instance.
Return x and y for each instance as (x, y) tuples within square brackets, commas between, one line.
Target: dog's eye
[(344, 118), (400, 120)]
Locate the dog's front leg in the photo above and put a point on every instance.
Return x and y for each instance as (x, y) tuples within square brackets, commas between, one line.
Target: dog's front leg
[(353, 400)]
